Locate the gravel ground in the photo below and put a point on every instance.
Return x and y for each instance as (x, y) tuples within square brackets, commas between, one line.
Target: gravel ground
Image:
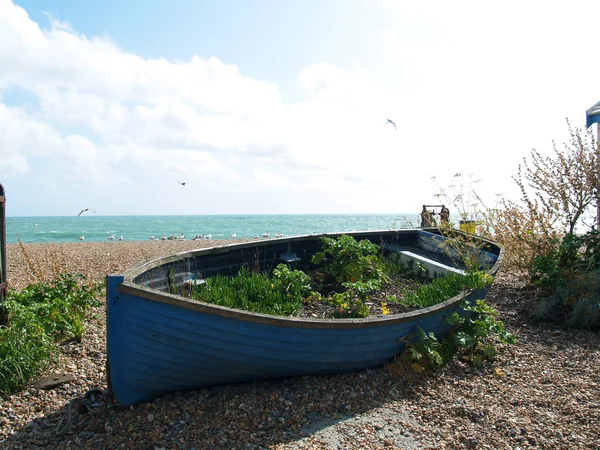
[(543, 392)]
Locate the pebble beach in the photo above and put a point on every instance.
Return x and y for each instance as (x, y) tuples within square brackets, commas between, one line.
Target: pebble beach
[(543, 392)]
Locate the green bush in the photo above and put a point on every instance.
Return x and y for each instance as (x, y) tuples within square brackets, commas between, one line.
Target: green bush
[(57, 306), (570, 280), (474, 339), (39, 316), (26, 351)]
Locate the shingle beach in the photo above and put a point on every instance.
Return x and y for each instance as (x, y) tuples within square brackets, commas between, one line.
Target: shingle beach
[(543, 392)]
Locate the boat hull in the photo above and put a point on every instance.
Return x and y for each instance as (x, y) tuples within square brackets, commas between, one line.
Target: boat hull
[(159, 343)]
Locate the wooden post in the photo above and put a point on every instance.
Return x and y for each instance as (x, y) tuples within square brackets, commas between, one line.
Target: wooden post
[(598, 176), (3, 282)]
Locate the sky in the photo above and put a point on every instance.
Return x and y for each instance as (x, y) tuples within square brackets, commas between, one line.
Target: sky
[(281, 106)]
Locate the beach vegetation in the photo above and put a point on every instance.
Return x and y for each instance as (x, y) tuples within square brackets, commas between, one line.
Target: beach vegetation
[(549, 234), (345, 259), (41, 317), (345, 279), (255, 292), (475, 338), (559, 196)]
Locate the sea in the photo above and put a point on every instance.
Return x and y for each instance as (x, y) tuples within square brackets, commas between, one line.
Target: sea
[(95, 228)]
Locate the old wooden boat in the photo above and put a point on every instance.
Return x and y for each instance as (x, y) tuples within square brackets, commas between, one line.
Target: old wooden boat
[(159, 343)]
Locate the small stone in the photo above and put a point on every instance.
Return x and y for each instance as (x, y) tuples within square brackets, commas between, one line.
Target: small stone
[(54, 381), (150, 417)]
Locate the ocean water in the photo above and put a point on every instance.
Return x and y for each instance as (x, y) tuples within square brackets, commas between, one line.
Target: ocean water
[(139, 228)]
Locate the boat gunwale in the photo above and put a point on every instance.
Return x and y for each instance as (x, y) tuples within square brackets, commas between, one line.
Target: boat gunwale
[(130, 288)]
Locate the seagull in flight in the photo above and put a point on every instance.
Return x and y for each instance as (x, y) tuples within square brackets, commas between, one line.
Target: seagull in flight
[(390, 121), (181, 183), (84, 210)]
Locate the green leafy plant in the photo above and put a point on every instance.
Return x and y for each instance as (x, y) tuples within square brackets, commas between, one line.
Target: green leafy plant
[(77, 325), (360, 267), (39, 316), (353, 301), (477, 332), (424, 351), (292, 281), (474, 338), (411, 268), (55, 305), (345, 259)]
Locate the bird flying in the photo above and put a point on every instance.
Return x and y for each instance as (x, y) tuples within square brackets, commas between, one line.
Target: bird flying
[(84, 210), (181, 183), (390, 121)]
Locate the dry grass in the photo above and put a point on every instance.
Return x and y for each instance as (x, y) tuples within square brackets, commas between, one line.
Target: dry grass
[(31, 263)]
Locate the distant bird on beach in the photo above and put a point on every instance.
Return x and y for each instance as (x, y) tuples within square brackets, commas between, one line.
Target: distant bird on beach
[(181, 183), (84, 210), (390, 121)]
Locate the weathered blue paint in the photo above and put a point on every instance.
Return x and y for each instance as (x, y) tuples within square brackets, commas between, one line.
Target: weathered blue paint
[(160, 343)]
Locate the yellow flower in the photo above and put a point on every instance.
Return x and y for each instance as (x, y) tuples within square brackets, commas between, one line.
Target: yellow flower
[(384, 309)]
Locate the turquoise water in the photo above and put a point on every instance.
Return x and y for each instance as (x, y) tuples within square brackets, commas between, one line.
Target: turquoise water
[(138, 228)]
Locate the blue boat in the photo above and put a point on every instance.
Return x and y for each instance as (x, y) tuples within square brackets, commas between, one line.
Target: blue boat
[(160, 343)]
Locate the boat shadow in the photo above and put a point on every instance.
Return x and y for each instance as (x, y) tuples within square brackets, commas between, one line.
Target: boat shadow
[(259, 414)]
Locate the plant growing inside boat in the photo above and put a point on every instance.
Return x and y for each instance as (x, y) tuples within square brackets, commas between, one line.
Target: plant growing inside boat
[(257, 292), (353, 301), (346, 259), (292, 281), (464, 246), (462, 197), (446, 287), (348, 279)]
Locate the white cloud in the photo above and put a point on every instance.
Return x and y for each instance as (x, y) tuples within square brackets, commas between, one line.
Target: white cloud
[(142, 119), (464, 85)]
